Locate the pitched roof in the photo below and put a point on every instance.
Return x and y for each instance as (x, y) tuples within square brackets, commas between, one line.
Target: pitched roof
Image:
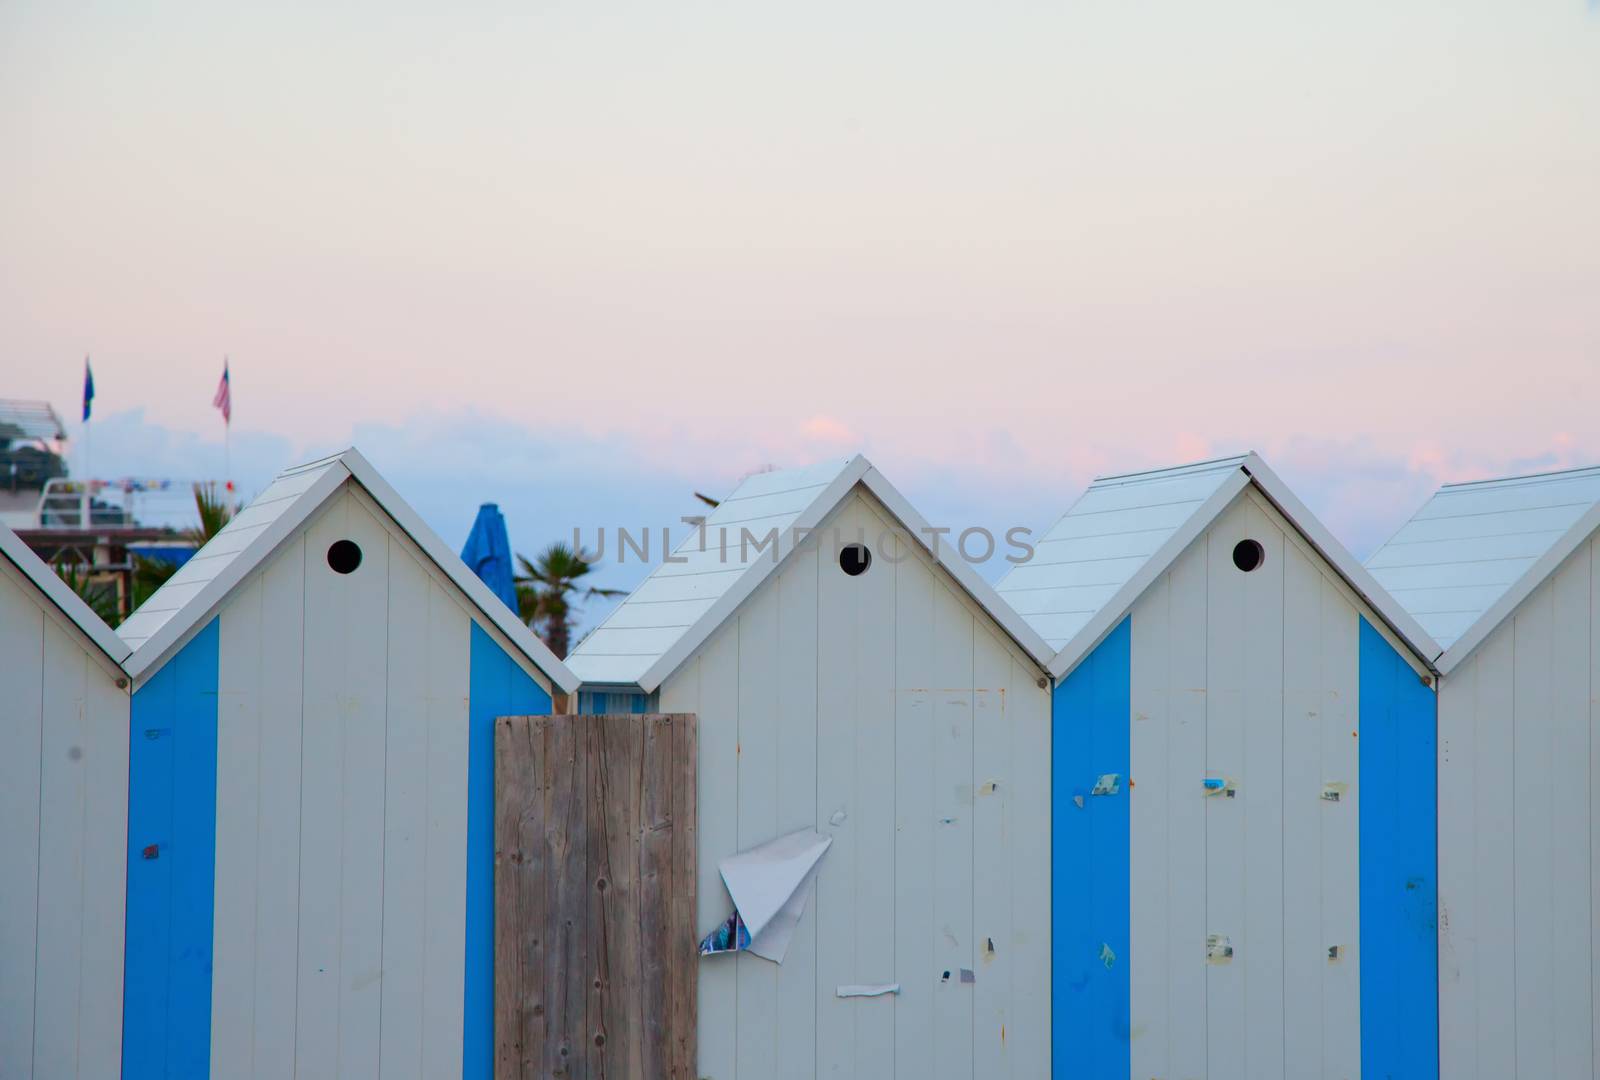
[(681, 604), (245, 543), (58, 593), (1126, 530), (1476, 550)]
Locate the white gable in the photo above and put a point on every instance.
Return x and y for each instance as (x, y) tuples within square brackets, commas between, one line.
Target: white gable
[(681, 603), (1126, 530), (1475, 549), (59, 595), (191, 595)]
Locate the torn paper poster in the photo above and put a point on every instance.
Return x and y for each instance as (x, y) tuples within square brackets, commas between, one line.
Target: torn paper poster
[(867, 990), (769, 885)]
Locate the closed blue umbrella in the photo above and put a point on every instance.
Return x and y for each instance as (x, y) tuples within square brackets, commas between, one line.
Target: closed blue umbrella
[(488, 553)]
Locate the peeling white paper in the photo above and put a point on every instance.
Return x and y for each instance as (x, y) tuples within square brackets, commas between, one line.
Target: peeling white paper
[(770, 885), (867, 990)]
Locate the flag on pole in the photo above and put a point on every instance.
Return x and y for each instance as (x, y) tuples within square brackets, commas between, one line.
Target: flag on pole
[(224, 400), (88, 389)]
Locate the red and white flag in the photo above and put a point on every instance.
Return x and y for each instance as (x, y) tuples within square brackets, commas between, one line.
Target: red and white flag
[(224, 400)]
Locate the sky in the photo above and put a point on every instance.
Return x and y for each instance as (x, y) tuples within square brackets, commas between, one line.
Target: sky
[(583, 259)]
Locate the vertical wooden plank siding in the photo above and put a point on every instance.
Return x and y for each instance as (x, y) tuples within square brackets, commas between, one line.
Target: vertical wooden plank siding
[(1089, 864), (21, 742), (277, 911), (1399, 933), (757, 1035), (1517, 840), (239, 762), (101, 831), (498, 687), (1341, 915), (915, 927), (1305, 953), (796, 765), (594, 937), (1187, 911), (1258, 680), (405, 850), (172, 790), (445, 912), (1150, 905), (1028, 1035), (1495, 858), (992, 993), (1571, 923), (63, 800), (847, 704)]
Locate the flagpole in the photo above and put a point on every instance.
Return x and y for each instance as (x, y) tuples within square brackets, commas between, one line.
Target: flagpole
[(227, 445)]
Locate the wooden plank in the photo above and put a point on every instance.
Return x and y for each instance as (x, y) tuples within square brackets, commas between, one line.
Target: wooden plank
[(797, 800), (316, 1028), (405, 807), (567, 914), (1186, 823), (757, 795), (837, 817), (1571, 925), (363, 708), (1341, 913), (873, 908), (718, 838), (63, 792), (1150, 799), (105, 855), (1459, 967), (21, 736), (992, 854), (613, 747), (1532, 828), (657, 941), (1028, 1034), (233, 931), (594, 935), (278, 824), (1305, 953), (1495, 869), (1262, 804), (918, 681), (953, 794), (684, 970), (1226, 664)]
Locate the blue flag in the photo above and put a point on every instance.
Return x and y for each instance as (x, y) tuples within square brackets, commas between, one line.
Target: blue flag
[(88, 389)]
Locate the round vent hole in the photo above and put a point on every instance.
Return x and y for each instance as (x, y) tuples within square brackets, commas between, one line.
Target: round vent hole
[(344, 556), (854, 559), (1248, 554)]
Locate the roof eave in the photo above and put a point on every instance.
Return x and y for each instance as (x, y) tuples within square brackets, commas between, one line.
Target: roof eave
[(1358, 577), (1519, 591)]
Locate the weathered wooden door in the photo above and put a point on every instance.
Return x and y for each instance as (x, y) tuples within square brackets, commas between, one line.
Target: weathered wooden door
[(595, 896)]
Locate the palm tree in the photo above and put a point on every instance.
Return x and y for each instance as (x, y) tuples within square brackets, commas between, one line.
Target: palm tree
[(544, 593), (213, 513), (101, 598)]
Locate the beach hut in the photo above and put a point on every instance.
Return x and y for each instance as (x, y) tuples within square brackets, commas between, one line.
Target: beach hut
[(311, 793), (856, 677), (1243, 816), (63, 810), (1505, 574)]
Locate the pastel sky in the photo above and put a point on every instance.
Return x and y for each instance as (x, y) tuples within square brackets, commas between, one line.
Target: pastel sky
[(582, 258)]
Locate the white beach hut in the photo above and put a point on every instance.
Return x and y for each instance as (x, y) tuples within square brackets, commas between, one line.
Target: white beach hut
[(310, 791), (1242, 840), (864, 682), (63, 809), (1505, 574)]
